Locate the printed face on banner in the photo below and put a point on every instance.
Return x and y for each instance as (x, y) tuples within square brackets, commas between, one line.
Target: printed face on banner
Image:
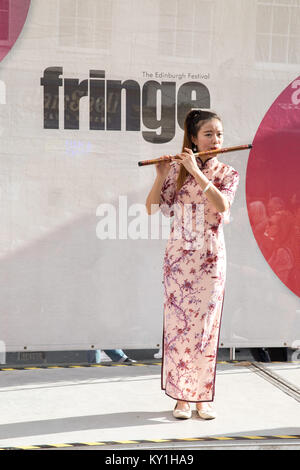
[(12, 19), (272, 187)]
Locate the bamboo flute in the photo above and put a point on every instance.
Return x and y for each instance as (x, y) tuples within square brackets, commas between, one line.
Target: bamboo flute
[(168, 158)]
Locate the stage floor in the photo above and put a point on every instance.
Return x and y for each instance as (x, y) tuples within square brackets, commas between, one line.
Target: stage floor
[(122, 407)]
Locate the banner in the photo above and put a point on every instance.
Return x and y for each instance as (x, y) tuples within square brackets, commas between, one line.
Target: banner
[(90, 87)]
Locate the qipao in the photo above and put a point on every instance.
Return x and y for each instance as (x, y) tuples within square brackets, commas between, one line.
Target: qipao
[(194, 281)]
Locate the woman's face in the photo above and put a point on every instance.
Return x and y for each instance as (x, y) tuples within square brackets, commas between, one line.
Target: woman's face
[(273, 226), (210, 136)]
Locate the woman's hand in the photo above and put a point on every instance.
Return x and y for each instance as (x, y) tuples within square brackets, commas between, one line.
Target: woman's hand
[(188, 160), (163, 168)]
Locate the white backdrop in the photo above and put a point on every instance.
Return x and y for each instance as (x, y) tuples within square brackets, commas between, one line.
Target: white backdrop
[(61, 287)]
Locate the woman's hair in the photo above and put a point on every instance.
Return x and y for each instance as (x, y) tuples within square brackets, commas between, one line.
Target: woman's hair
[(193, 122)]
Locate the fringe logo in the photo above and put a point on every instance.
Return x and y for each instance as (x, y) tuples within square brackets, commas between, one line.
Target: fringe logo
[(155, 105)]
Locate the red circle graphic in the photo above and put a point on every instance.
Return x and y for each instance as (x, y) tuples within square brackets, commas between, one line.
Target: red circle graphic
[(273, 187), (13, 15)]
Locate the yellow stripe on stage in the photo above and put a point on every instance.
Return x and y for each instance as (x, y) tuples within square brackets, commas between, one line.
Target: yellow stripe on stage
[(159, 440), (61, 445), (192, 439), (28, 447), (224, 438), (127, 442), (93, 443)]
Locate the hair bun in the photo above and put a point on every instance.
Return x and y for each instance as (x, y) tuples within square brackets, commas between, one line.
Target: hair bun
[(203, 109)]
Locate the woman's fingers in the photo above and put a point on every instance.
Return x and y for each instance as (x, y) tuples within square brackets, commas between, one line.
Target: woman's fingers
[(182, 156), (189, 151)]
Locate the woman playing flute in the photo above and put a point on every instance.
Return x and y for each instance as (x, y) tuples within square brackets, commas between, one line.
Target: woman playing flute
[(194, 263)]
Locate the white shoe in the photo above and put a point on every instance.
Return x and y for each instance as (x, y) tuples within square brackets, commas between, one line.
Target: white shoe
[(182, 414), (207, 413), (158, 355)]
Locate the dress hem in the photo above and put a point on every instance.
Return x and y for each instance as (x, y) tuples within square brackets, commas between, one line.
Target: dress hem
[(214, 379), (189, 401)]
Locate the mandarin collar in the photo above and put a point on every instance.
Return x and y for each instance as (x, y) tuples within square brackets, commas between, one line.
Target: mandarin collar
[(208, 163)]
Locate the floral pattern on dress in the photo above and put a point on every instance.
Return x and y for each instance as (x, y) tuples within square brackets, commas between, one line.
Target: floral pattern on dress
[(194, 282)]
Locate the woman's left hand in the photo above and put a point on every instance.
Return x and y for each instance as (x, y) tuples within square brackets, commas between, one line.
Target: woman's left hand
[(188, 160)]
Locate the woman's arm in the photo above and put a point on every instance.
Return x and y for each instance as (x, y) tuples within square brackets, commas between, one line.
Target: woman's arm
[(213, 194), (154, 195), (153, 199)]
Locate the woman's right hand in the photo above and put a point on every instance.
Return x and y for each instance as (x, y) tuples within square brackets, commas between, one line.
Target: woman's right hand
[(163, 168)]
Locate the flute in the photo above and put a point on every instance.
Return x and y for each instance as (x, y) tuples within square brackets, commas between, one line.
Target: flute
[(168, 158)]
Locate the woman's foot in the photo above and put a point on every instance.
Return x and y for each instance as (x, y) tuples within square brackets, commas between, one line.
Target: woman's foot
[(206, 411), (182, 410)]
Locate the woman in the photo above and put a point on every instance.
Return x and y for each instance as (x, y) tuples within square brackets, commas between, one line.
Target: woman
[(194, 263)]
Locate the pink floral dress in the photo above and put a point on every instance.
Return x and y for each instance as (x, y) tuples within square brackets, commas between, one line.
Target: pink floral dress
[(194, 281)]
